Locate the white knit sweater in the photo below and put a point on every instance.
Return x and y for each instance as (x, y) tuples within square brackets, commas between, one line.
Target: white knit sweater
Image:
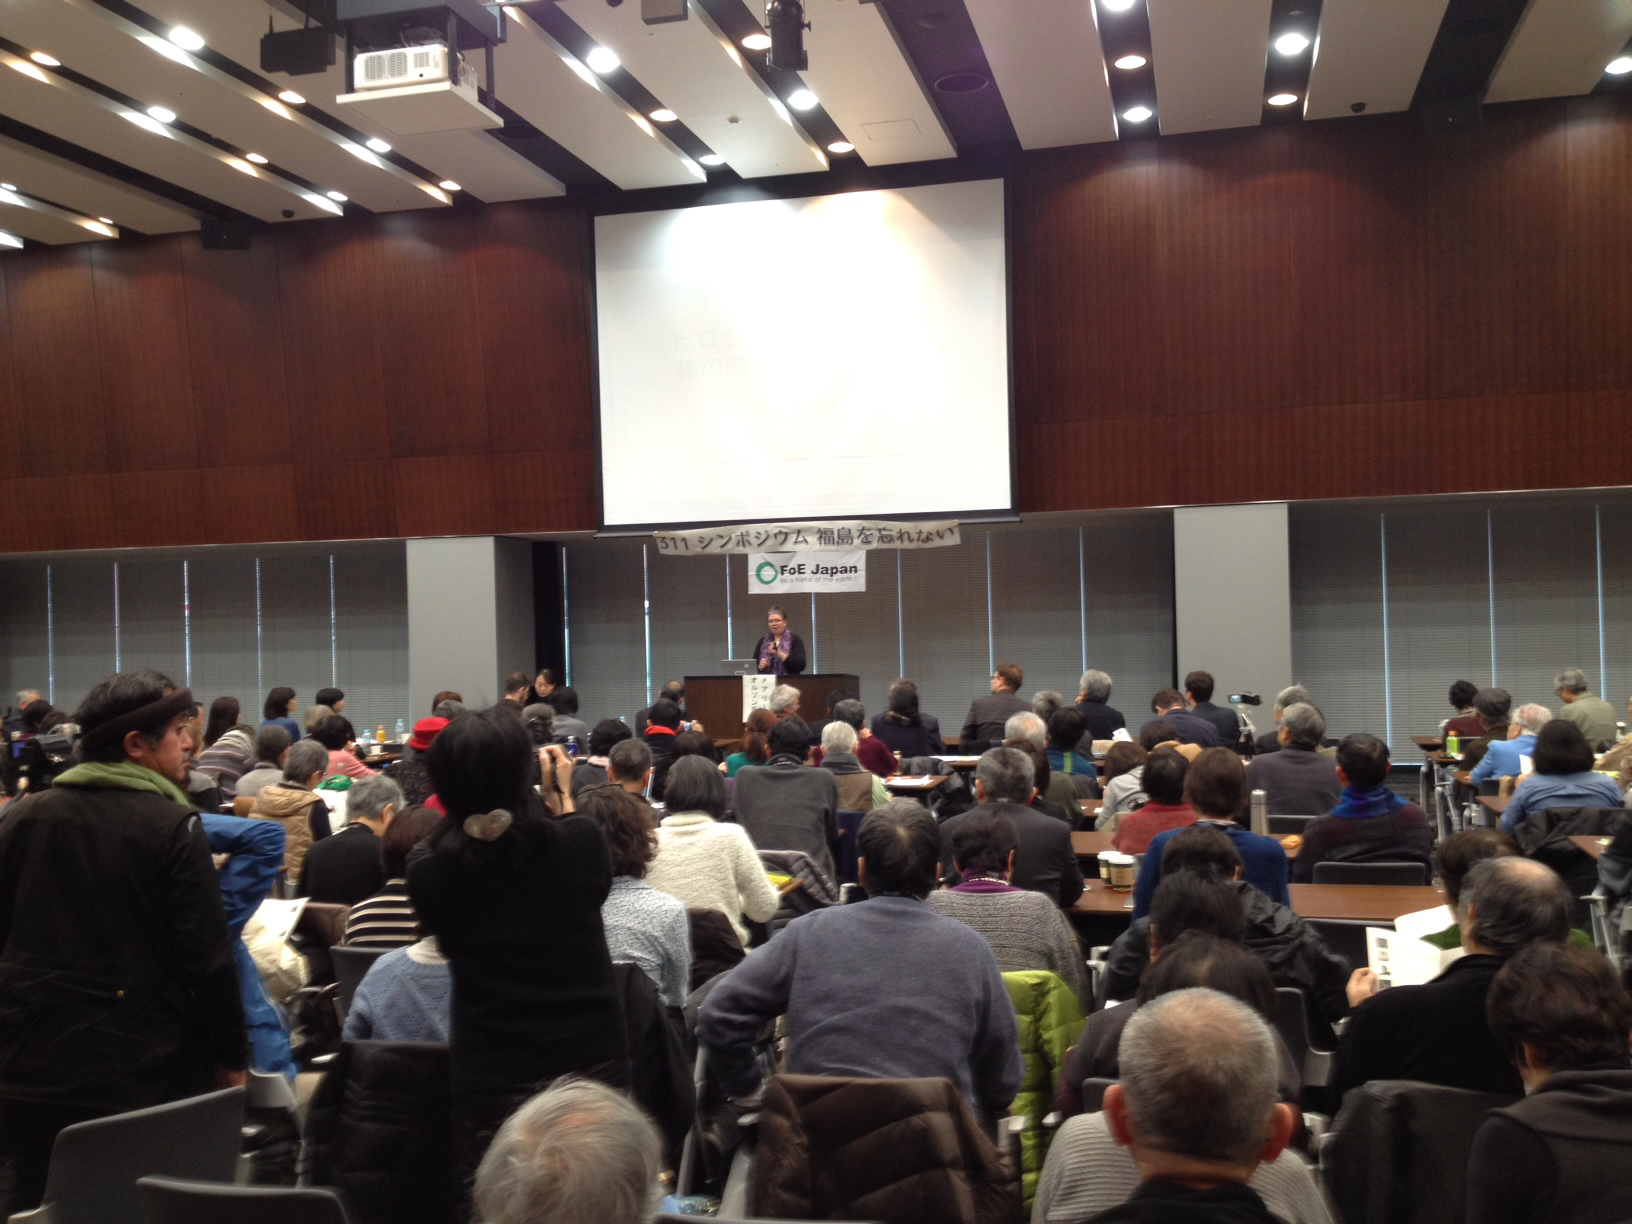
[(711, 865)]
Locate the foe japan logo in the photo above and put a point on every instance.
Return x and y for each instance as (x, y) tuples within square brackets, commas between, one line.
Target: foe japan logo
[(794, 572)]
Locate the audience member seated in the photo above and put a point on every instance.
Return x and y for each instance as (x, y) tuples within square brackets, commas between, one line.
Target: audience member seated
[(1619, 756), (349, 867), (577, 1151), (1168, 705), (644, 927), (1164, 781), (514, 899), (1215, 786), (1371, 823), (591, 770), (1454, 857), (1493, 706), (786, 804), (1044, 861), (756, 745), (1563, 777), (1197, 1108), (673, 691), (860, 790), (1465, 723), (1093, 693), (387, 919), (250, 854), (406, 995), (983, 725), (1291, 695), (1437, 1032), (315, 713), (1198, 695), (904, 730), (1288, 946), (271, 750), (1124, 781), (1066, 729), (1055, 795), (229, 746), (1561, 1153), (784, 702), (14, 716), (1298, 780), (568, 726), (662, 725), (704, 862), (873, 753), (694, 743), (1504, 758), (518, 691), (1045, 701), (1025, 929), (303, 815), (335, 700), (201, 788), (629, 765), (410, 773), (885, 989), (333, 733), (1594, 716), (279, 711), (544, 685)]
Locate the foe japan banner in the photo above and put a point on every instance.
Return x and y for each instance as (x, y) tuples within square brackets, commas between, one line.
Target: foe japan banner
[(789, 573)]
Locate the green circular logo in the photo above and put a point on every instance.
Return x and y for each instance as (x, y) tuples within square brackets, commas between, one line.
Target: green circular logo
[(760, 575)]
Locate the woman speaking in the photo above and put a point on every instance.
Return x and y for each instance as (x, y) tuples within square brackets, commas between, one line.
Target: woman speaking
[(781, 651)]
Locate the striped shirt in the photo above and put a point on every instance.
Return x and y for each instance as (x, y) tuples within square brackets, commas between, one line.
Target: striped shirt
[(385, 920)]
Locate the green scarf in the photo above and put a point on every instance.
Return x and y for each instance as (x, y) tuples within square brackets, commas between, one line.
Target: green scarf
[(123, 775)]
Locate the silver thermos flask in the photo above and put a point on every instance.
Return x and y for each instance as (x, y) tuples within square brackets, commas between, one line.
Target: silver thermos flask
[(1260, 812)]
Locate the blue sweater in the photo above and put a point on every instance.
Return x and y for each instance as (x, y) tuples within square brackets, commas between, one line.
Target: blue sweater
[(1263, 865), (1540, 791), (401, 999), (1501, 759), (884, 989)]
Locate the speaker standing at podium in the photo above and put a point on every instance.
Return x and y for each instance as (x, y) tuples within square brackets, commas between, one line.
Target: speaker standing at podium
[(781, 651)]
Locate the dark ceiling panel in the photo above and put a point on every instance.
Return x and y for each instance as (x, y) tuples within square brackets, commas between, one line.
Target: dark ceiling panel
[(941, 42)]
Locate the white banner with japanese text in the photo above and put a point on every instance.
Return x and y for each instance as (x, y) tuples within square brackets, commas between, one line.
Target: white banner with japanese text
[(794, 573), (855, 535)]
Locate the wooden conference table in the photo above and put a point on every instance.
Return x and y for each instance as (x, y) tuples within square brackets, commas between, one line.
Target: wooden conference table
[(1374, 904)]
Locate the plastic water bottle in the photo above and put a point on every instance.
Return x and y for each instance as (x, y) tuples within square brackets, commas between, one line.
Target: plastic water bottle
[(402, 730)]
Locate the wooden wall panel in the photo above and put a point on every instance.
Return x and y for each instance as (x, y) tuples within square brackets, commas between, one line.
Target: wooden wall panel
[(446, 495), (153, 509), (1598, 230), (234, 326), (252, 504), (53, 341), (345, 500), (141, 324), (65, 512), (11, 461)]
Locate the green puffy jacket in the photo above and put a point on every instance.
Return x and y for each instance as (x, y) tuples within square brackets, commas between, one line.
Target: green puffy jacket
[(1050, 1021)]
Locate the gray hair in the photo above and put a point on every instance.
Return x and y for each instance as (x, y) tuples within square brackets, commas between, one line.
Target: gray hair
[(304, 759), (1515, 902), (1198, 1076), (577, 1151), (783, 697), (1570, 680), (1095, 686), (851, 711), (1026, 725), (1291, 695), (628, 760), (1532, 717), (27, 697), (448, 709), (1006, 773), (271, 742), (368, 797), (1304, 724), (1044, 703), (316, 714), (838, 737)]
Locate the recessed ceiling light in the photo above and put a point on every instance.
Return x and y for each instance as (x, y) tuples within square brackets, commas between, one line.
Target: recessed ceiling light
[(1620, 65), (378, 145), (1131, 61), (187, 40), (49, 61), (162, 113), (602, 60), (1137, 114), (712, 159), (10, 240), (1282, 99), (449, 185), (100, 227), (801, 99), (105, 220), (8, 186), (664, 115), (291, 97), (276, 107), (757, 42), (257, 158), (142, 121), (240, 165), (1116, 6), (337, 196), (1292, 44), (841, 146), (27, 70)]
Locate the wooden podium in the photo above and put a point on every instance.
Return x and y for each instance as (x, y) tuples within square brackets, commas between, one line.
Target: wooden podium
[(717, 700)]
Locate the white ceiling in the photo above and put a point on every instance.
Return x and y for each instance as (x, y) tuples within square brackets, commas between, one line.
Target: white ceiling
[(1045, 59)]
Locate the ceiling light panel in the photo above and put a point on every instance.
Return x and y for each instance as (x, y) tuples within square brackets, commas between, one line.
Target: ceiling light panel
[(1049, 65), (28, 217), (1560, 49), (89, 193), (585, 116), (868, 88), (487, 169), (1370, 51), (228, 108), (1209, 62), (696, 70)]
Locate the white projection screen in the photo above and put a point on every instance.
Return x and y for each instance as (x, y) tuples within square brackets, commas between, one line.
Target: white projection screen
[(841, 356)]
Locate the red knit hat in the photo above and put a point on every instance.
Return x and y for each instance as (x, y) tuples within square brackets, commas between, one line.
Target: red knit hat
[(424, 732)]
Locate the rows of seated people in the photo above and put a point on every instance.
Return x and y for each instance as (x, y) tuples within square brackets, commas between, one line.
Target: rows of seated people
[(528, 902)]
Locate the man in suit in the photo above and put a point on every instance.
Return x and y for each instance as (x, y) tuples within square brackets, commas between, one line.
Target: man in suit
[(983, 726), (1169, 706), (1298, 779), (1198, 695), (1093, 703), (1044, 862)]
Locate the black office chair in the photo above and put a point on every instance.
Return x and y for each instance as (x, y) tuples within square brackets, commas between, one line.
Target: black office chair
[(1284, 825), (1093, 1092), (172, 1201), (1292, 1023), (1344, 938), (351, 965), (1405, 873)]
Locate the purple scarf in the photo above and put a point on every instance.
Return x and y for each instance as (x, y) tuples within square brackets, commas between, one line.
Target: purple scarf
[(768, 645)]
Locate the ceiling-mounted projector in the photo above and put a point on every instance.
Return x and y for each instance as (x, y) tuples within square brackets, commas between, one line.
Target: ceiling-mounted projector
[(400, 66)]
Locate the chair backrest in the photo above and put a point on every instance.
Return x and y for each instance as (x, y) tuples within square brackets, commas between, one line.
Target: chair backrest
[(1284, 825), (1342, 938), (1410, 874), (1093, 1093), (1292, 1023), (94, 1165), (172, 1201), (350, 966)]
